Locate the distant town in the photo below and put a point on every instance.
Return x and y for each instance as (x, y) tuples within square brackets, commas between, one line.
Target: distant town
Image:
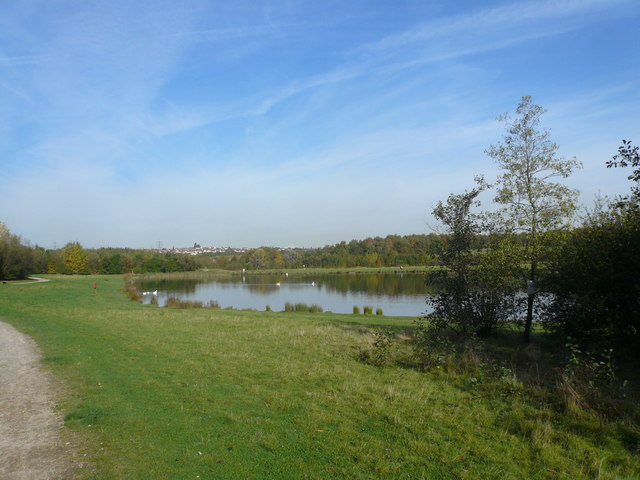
[(197, 249)]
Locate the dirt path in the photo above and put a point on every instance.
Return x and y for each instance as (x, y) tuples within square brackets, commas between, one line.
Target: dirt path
[(30, 445), (33, 280)]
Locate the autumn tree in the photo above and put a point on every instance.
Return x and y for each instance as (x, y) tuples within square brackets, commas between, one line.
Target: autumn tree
[(533, 203), (75, 258)]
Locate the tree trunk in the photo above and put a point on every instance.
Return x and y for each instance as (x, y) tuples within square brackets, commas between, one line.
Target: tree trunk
[(529, 321)]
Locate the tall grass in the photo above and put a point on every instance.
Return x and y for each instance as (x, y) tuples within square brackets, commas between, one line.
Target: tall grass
[(175, 302), (302, 307)]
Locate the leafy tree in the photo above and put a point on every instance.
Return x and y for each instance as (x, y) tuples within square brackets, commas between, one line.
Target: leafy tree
[(533, 203), (595, 281), (75, 258), (594, 276), (474, 294), (628, 156), (16, 258)]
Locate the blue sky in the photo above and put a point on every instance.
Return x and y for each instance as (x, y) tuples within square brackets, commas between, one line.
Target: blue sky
[(302, 123)]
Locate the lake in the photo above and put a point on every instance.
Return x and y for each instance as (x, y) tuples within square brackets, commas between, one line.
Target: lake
[(397, 294)]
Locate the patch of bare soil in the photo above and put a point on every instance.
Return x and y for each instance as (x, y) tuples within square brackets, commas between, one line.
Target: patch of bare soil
[(30, 443)]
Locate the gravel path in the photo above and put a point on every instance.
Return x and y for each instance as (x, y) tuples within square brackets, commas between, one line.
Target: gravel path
[(30, 444)]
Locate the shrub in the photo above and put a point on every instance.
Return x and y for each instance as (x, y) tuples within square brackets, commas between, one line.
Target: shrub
[(267, 308), (288, 307), (368, 310), (356, 310), (379, 311), (130, 289), (595, 283)]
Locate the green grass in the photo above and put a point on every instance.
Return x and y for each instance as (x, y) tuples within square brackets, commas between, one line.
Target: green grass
[(157, 393)]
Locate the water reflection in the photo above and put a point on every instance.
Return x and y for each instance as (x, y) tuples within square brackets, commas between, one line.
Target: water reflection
[(396, 294)]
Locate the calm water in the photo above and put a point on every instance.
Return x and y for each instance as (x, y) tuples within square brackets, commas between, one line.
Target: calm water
[(397, 294)]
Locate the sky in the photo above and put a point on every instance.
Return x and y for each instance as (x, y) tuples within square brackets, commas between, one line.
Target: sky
[(292, 123)]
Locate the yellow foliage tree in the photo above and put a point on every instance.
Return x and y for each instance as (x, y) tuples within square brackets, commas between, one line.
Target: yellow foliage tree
[(75, 258)]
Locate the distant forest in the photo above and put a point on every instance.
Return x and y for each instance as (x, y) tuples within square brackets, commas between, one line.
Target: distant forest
[(18, 259)]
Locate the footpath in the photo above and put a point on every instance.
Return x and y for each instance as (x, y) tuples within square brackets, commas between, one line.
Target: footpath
[(30, 443)]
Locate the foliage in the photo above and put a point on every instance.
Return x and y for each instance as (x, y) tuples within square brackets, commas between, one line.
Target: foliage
[(474, 292), (629, 156), (533, 202), (595, 282), (356, 310), (17, 259), (379, 352), (368, 310), (130, 289), (390, 251), (75, 258)]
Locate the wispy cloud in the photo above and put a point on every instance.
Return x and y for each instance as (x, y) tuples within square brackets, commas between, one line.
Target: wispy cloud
[(511, 17), (278, 124)]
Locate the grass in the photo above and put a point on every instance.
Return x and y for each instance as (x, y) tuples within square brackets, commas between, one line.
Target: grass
[(183, 394)]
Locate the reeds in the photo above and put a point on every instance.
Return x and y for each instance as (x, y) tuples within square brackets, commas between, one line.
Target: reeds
[(175, 302), (302, 307)]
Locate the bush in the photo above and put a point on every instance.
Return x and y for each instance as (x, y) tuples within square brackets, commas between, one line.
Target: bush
[(379, 354), (368, 310), (356, 310), (267, 308), (595, 283), (17, 260), (379, 311), (130, 289)]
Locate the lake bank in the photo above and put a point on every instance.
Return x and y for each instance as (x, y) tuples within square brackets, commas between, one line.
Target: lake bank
[(163, 393)]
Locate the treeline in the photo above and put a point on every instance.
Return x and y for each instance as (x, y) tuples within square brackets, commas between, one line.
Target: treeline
[(390, 251), (18, 259)]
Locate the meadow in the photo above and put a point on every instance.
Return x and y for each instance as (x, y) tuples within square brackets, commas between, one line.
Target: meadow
[(160, 393)]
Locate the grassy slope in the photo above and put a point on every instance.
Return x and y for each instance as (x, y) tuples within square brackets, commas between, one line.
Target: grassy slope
[(177, 394)]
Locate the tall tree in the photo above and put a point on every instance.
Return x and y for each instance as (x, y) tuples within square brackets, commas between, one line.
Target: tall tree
[(533, 203)]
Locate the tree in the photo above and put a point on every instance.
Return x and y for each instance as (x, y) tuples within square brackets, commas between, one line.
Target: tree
[(629, 156), (533, 203), (16, 259), (75, 258), (595, 282), (474, 292)]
